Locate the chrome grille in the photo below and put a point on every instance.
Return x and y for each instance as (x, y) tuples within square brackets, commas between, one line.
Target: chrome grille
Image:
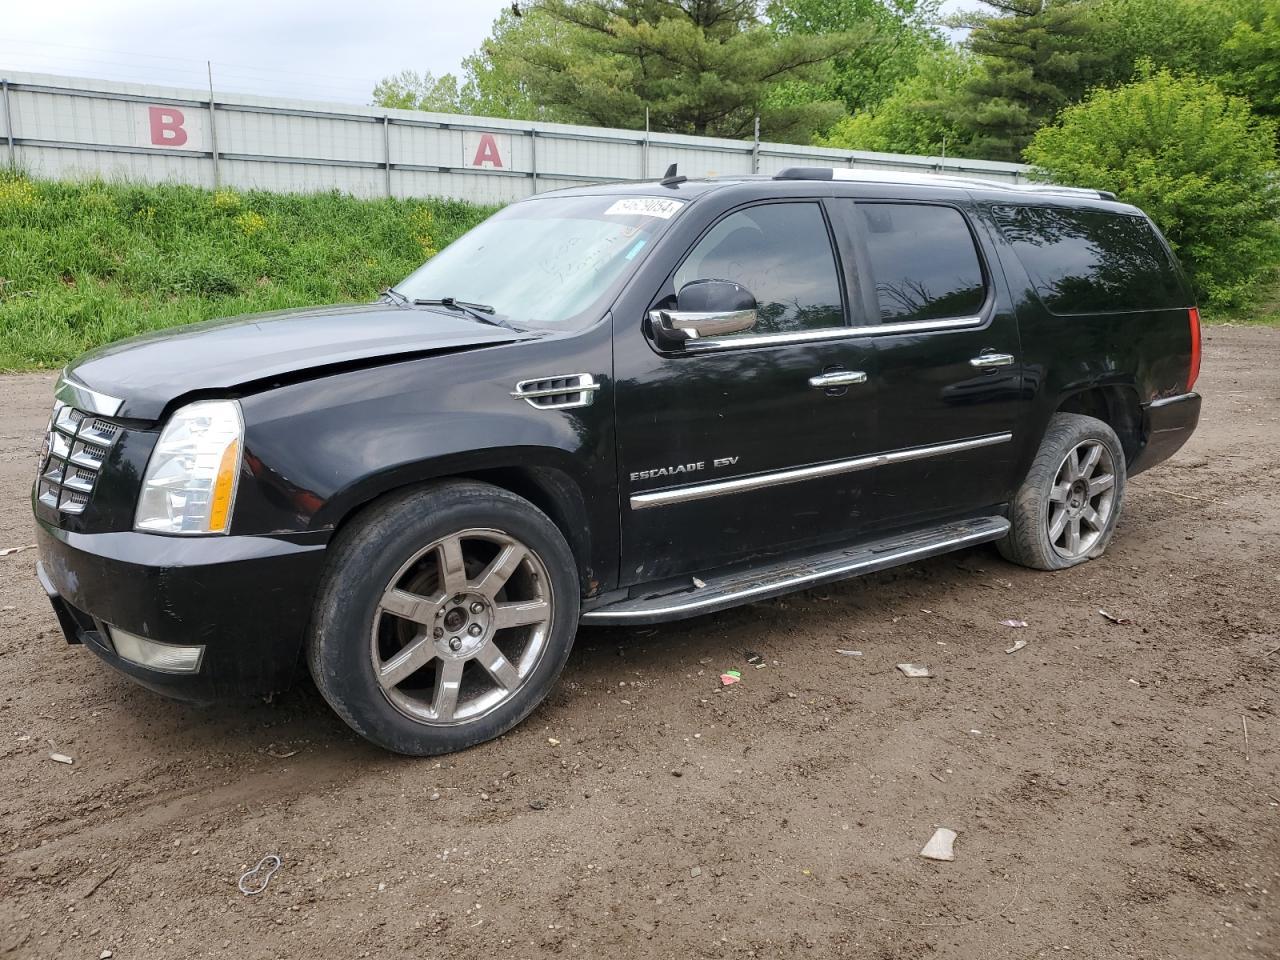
[(75, 449)]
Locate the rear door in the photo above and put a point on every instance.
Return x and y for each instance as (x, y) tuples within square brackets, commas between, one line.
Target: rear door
[(948, 368), (729, 448)]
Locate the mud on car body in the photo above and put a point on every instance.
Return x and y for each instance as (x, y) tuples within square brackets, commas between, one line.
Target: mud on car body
[(610, 405)]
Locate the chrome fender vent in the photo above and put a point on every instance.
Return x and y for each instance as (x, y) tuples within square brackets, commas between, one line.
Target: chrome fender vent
[(558, 393)]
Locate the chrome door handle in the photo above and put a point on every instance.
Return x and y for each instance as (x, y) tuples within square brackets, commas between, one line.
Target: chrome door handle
[(841, 378), (992, 360)]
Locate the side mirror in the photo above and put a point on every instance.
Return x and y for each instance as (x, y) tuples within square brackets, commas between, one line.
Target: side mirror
[(705, 308)]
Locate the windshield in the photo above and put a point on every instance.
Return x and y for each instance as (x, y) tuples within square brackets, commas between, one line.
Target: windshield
[(549, 262)]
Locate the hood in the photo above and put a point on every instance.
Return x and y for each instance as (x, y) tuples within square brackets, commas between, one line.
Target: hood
[(150, 371)]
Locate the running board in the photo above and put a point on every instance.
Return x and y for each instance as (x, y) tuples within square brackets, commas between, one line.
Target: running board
[(733, 587)]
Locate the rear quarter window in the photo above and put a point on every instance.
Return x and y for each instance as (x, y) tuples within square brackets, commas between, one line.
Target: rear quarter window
[(1092, 261)]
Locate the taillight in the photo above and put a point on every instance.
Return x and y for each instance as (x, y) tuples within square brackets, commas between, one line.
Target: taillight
[(1194, 316)]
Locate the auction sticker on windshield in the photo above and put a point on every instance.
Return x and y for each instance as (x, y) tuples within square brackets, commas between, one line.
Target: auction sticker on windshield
[(645, 207)]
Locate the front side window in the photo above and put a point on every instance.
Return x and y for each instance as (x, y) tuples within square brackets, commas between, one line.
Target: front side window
[(924, 261), (1091, 261), (551, 262), (782, 254)]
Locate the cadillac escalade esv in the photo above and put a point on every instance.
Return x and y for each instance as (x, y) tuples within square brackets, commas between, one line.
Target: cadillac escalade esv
[(618, 404)]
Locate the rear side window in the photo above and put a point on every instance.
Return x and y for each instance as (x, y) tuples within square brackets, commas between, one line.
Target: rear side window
[(782, 253), (924, 261), (1092, 261)]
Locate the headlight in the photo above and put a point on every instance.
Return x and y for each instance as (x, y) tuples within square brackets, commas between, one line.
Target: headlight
[(190, 484)]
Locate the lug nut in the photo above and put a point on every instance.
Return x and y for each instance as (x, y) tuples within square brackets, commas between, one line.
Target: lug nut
[(439, 633), (474, 630), (455, 644), (477, 607)]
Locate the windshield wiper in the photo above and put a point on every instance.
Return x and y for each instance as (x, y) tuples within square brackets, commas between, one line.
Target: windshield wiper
[(477, 311), (391, 293)]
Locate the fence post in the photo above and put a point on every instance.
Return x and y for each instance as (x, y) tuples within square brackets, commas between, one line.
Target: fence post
[(213, 128), (755, 149), (8, 124), (533, 146), (386, 150), (644, 153)]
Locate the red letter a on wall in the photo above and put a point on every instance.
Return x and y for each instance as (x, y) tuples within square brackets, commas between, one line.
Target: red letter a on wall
[(487, 152)]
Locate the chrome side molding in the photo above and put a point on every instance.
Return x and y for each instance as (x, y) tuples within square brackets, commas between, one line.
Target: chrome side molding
[(834, 333), (702, 491)]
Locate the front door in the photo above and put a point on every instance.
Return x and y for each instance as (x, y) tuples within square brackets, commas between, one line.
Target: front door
[(727, 446), (948, 367)]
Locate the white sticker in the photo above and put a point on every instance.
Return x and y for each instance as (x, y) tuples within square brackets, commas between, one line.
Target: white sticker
[(645, 207)]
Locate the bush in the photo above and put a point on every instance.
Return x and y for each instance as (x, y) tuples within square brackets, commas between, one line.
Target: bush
[(82, 264), (1193, 158)]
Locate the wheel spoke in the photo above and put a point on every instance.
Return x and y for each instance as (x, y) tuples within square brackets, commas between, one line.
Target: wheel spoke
[(1073, 535), (520, 614), (409, 606), (1058, 524), (499, 571), (1091, 459), (1059, 492), (1090, 516), (1100, 483), (1072, 465), (448, 680), (499, 667), (416, 654), (453, 572)]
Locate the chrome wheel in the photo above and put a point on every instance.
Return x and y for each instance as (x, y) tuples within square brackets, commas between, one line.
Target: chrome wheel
[(461, 626), (1082, 499)]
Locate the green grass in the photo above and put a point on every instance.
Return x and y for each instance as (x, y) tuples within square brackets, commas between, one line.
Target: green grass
[(82, 264), (1265, 311)]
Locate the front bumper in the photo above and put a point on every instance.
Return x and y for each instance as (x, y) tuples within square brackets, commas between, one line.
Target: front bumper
[(1168, 424), (247, 600)]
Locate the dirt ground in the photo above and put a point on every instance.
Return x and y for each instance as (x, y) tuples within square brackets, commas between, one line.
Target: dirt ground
[(1108, 800)]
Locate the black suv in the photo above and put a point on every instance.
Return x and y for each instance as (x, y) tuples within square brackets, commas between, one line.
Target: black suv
[(617, 404)]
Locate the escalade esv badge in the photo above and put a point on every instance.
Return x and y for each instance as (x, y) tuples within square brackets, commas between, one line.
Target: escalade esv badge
[(359, 488)]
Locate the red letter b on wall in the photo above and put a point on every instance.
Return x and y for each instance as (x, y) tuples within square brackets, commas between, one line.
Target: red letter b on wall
[(166, 126)]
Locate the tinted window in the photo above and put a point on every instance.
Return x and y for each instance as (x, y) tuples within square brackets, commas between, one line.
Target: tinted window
[(782, 254), (1092, 261), (924, 261)]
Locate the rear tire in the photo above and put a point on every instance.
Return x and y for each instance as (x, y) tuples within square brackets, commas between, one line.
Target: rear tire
[(444, 617), (1066, 510)]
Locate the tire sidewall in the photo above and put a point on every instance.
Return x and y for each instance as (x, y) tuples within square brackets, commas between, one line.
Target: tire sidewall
[(364, 563)]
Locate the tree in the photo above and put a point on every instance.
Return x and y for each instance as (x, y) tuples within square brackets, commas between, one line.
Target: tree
[(917, 116), (1184, 35), (903, 35), (1192, 157), (702, 67), (1251, 56), (410, 90), (1036, 57)]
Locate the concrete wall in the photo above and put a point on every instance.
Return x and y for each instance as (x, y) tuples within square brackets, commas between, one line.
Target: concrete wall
[(70, 128)]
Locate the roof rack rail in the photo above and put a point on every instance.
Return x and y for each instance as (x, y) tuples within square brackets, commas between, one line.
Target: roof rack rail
[(937, 179)]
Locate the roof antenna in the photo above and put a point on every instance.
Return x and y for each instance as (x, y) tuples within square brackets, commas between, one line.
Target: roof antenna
[(671, 178)]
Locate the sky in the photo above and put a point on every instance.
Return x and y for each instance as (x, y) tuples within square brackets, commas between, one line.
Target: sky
[(318, 50)]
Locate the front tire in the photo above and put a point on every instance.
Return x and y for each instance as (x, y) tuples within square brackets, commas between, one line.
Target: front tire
[(444, 617), (1066, 510)]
